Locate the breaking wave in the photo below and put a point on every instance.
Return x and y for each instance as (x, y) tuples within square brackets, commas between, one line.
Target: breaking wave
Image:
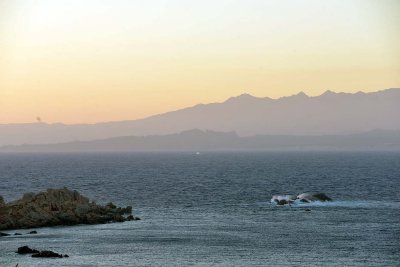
[(364, 204)]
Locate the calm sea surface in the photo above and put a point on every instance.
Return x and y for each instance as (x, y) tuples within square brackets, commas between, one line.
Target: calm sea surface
[(213, 209)]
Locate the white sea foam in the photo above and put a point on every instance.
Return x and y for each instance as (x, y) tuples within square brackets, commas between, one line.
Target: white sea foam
[(282, 197), (341, 204)]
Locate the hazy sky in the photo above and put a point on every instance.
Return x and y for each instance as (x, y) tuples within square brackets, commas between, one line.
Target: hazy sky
[(96, 60)]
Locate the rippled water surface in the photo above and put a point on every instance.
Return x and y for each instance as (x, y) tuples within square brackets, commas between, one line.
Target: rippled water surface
[(214, 209)]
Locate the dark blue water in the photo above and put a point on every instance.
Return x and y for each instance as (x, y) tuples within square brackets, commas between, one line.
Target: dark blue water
[(213, 209)]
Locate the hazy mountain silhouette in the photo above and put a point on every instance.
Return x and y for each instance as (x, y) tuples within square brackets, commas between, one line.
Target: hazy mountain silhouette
[(197, 140), (328, 114)]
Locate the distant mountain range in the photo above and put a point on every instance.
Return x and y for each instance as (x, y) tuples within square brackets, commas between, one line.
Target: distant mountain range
[(197, 140), (328, 114)]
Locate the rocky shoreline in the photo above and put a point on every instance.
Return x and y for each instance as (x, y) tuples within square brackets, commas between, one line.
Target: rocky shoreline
[(56, 207)]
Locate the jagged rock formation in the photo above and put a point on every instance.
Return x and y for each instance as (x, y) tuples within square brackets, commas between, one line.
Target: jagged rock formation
[(58, 207)]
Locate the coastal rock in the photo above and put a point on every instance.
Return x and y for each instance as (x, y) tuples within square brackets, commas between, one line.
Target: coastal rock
[(281, 200), (39, 254), (322, 197), (47, 254), (307, 197), (57, 207), (26, 250), (132, 218)]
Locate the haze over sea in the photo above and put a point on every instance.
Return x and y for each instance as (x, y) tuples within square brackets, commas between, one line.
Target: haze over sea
[(213, 208)]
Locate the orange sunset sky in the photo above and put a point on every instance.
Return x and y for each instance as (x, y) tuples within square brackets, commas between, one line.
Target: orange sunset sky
[(96, 60)]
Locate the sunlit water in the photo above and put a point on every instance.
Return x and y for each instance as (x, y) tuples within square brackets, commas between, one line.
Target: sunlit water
[(213, 209)]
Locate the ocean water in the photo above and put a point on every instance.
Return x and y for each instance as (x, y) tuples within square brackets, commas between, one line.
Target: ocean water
[(214, 209)]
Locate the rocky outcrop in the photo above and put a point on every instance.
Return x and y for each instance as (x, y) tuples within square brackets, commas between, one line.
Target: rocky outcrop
[(322, 197), (39, 254), (26, 250), (58, 207), (281, 200), (307, 197), (48, 254)]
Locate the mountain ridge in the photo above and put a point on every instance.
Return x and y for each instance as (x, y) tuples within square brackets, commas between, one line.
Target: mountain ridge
[(199, 140), (299, 114)]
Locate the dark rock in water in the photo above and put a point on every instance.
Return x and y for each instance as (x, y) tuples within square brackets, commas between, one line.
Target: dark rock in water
[(307, 210), (322, 197), (57, 207), (46, 254), (26, 250), (4, 234), (302, 198), (32, 232), (282, 202), (66, 256), (39, 254), (17, 234), (132, 218)]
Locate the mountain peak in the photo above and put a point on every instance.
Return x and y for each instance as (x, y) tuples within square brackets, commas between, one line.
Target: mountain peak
[(246, 96), (328, 93), (301, 94), (242, 97)]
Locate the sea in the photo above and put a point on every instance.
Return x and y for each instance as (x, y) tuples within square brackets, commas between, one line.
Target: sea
[(214, 209)]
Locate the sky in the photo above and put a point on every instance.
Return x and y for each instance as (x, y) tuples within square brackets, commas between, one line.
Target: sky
[(91, 61)]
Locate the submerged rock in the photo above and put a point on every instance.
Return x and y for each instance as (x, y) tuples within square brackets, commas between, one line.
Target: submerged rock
[(4, 234), (57, 207)]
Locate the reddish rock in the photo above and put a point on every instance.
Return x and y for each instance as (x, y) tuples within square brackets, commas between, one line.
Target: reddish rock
[(57, 207)]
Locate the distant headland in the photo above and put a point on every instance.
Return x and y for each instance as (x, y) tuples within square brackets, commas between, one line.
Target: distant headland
[(298, 115)]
